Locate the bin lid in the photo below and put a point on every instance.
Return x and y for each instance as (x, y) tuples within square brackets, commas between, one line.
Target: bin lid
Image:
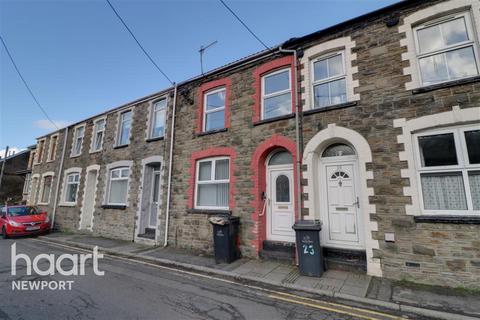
[(223, 220), (307, 225)]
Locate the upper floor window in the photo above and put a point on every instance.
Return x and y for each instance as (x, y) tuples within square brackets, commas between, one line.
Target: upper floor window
[(78, 141), (118, 186), (46, 189), (40, 150), (159, 110), (98, 135), (446, 49), (214, 109), (276, 94), (329, 80), (213, 183), (71, 188), (32, 160), (448, 165), (124, 128), (53, 148)]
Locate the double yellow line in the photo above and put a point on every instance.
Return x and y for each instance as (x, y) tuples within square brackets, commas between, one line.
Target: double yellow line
[(333, 307), (355, 312)]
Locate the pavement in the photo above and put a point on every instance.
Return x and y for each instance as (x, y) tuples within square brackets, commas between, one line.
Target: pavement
[(421, 300)]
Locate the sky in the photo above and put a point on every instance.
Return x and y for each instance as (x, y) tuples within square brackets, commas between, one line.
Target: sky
[(79, 60)]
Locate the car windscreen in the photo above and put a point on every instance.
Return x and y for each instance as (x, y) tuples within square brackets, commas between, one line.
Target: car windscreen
[(22, 211)]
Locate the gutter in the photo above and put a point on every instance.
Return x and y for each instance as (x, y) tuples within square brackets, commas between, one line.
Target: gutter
[(57, 187), (297, 130), (170, 164)]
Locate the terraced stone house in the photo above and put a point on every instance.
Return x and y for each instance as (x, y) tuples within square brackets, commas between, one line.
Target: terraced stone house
[(371, 126)]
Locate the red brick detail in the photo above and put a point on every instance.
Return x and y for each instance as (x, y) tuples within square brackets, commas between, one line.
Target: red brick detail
[(257, 84), (259, 183), (224, 82), (208, 153)]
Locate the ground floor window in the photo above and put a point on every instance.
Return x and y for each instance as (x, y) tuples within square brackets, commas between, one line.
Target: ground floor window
[(212, 183), (118, 186), (73, 180), (47, 188), (448, 166), (28, 183)]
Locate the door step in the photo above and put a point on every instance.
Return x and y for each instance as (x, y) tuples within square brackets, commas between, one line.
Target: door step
[(149, 233), (278, 251), (345, 260)]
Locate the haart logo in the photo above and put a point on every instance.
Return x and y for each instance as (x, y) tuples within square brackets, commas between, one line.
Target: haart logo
[(78, 263)]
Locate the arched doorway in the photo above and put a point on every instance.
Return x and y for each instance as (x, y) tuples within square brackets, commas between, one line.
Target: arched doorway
[(314, 174), (280, 196), (340, 206)]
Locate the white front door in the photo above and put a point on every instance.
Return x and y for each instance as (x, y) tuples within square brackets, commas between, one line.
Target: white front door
[(341, 227), (280, 203), (89, 201), (152, 219)]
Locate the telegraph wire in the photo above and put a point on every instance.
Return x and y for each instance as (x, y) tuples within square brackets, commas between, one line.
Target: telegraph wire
[(244, 24), (26, 84), (138, 42)]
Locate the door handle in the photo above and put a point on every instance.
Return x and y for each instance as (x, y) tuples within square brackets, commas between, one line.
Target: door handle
[(356, 203)]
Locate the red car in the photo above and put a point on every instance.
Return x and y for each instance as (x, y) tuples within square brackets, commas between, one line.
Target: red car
[(23, 220)]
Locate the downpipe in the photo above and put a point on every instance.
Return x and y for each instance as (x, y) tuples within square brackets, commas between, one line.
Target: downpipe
[(59, 177), (297, 129), (170, 165)]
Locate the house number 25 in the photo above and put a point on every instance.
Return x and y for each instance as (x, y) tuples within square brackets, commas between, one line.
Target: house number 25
[(308, 249)]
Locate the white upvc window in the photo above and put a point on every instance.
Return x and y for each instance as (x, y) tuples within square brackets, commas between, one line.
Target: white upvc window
[(214, 109), (125, 124), (448, 169), (98, 135), (46, 189), (28, 183), (276, 94), (40, 151), (78, 141), (446, 49), (157, 125), (212, 187), (52, 150), (329, 83), (72, 182), (118, 186)]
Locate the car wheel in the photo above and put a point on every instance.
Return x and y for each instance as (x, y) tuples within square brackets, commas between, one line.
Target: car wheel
[(4, 233)]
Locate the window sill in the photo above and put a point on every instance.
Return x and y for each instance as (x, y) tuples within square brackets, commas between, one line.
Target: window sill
[(332, 107), (121, 146), (155, 139), (209, 211), (285, 117), (42, 204), (114, 206), (67, 204), (75, 155), (95, 151), (446, 85), (206, 133), (448, 219)]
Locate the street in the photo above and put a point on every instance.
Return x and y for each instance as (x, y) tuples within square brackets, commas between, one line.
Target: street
[(134, 290)]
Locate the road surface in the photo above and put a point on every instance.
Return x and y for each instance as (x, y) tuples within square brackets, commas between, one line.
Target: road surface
[(135, 290)]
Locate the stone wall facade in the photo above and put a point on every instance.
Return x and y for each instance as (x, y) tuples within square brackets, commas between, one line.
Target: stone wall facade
[(109, 221)]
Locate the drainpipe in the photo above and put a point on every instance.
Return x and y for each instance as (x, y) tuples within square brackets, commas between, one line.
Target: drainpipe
[(170, 163), (297, 129), (57, 187)]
